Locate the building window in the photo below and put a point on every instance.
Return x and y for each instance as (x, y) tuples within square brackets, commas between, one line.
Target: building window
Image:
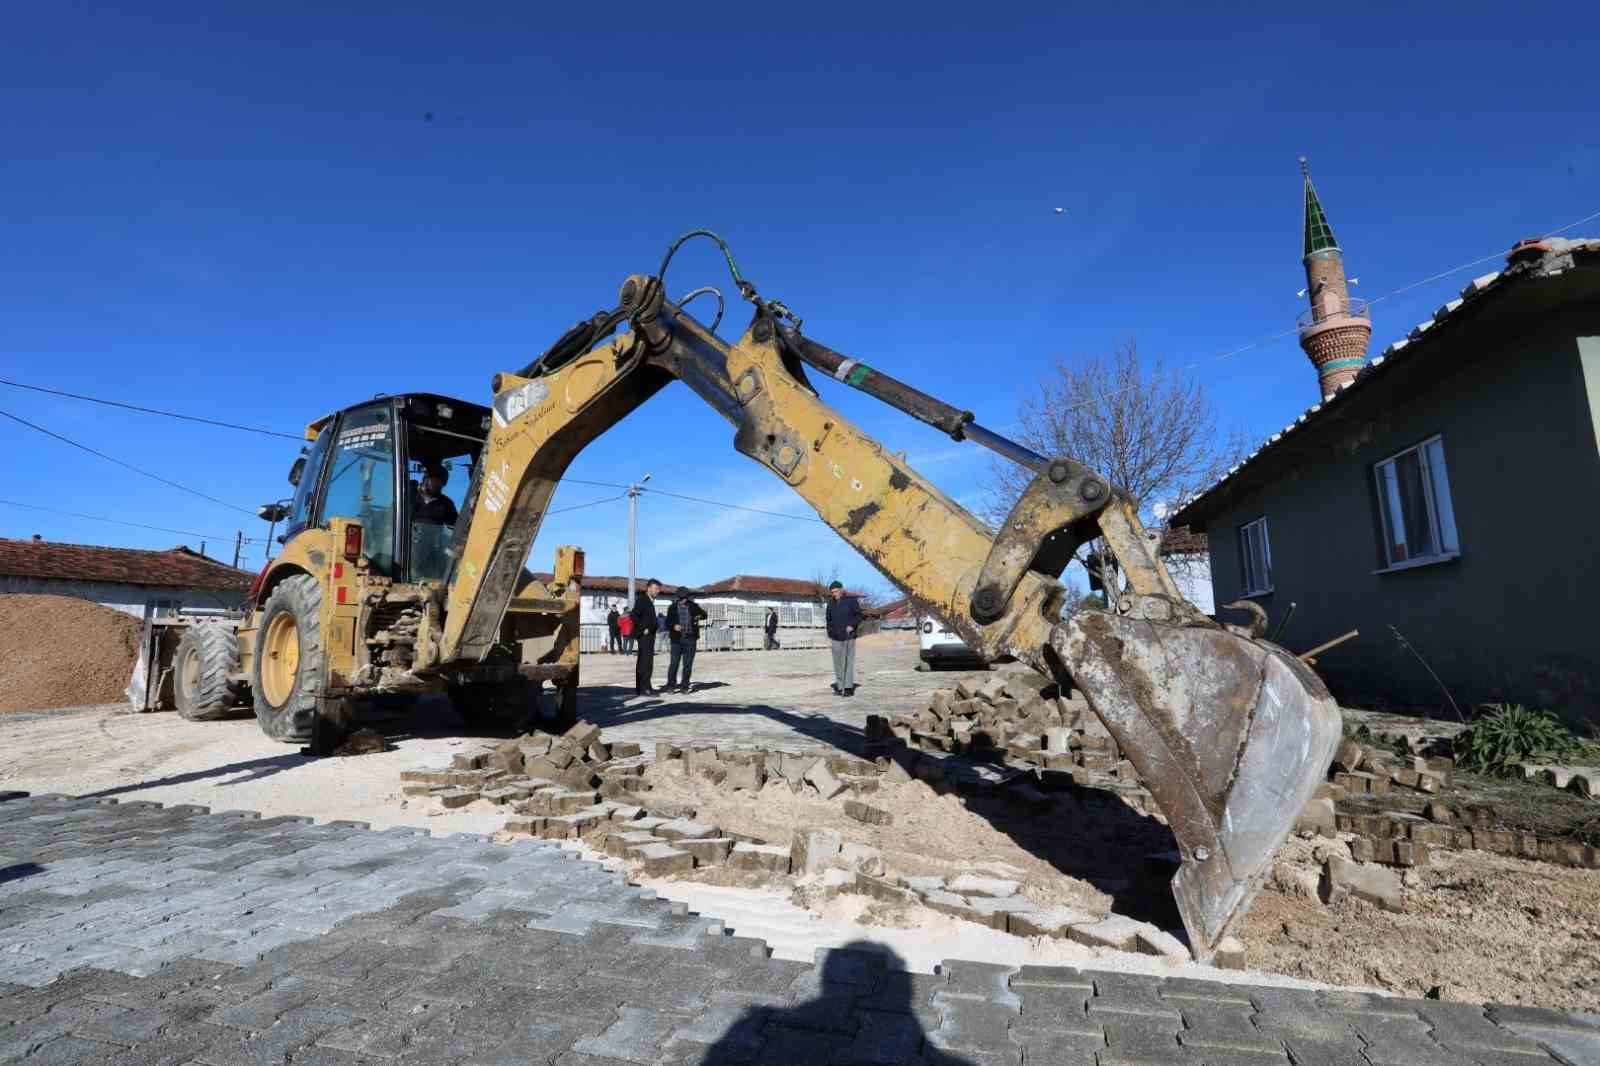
[(1419, 523), (1257, 556)]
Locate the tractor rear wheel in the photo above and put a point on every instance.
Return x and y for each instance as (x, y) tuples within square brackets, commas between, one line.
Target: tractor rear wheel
[(206, 655), (287, 673)]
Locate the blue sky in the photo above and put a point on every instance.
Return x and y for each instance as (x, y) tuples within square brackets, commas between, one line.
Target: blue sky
[(246, 212)]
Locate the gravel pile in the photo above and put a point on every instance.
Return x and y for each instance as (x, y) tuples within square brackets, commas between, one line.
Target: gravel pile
[(59, 651)]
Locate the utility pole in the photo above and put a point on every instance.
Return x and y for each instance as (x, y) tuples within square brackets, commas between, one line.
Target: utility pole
[(634, 491), (238, 542)]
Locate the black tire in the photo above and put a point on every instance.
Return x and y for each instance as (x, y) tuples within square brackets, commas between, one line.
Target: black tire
[(289, 715), (206, 655), (497, 706)]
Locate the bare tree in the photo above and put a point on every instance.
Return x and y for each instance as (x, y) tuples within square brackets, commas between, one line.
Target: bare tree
[(1150, 431), (821, 579)]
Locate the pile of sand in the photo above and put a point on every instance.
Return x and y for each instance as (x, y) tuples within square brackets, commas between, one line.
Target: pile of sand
[(59, 651)]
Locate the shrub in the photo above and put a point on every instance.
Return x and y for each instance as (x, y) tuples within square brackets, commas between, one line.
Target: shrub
[(1504, 733)]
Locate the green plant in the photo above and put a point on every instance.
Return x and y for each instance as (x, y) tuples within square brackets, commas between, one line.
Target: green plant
[(1504, 733)]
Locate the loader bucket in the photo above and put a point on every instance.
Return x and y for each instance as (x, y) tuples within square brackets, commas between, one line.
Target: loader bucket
[(1231, 736)]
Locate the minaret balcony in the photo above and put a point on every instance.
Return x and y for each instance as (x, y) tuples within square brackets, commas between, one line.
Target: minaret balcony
[(1334, 314)]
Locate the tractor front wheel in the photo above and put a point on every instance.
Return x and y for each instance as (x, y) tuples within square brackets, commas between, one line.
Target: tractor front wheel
[(287, 673), (206, 655)]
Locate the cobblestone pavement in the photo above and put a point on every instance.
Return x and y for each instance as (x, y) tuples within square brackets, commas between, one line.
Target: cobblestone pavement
[(136, 933), (762, 699)]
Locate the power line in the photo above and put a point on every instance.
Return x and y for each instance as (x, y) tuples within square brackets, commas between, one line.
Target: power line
[(148, 410), (128, 466), (1195, 364), (733, 506), (124, 522), (581, 506)]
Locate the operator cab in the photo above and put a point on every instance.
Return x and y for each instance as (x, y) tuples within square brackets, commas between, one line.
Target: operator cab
[(401, 466)]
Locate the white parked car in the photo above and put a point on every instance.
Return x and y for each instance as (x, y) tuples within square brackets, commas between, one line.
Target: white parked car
[(941, 647)]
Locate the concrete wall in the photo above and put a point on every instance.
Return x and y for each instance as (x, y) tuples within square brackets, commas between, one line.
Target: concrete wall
[(1514, 617), (130, 599)]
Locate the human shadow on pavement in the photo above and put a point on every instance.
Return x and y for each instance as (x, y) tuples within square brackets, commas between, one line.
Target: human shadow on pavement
[(863, 1007), (254, 769)]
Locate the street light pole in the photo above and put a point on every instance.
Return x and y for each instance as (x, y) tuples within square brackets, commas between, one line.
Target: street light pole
[(634, 491)]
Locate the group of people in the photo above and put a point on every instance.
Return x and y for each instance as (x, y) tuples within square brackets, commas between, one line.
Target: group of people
[(635, 633), (680, 622)]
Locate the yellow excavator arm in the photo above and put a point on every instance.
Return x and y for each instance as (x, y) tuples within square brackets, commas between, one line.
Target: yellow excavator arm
[(1230, 733)]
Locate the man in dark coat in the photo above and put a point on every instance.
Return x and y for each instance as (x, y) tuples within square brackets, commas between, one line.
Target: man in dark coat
[(644, 635), (772, 628), (844, 619), (613, 621), (683, 627)]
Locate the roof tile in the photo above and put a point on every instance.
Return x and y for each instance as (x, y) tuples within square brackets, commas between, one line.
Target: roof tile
[(175, 568)]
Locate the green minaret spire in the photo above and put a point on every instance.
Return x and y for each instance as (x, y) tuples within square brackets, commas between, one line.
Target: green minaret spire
[(1319, 234)]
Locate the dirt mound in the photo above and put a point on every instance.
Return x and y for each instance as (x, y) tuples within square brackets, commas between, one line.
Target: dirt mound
[(59, 651)]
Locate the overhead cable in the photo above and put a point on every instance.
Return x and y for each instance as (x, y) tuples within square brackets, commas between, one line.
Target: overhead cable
[(148, 410), (127, 466)]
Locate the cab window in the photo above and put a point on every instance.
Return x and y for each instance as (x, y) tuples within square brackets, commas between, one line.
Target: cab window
[(439, 468), (361, 482), (305, 490)]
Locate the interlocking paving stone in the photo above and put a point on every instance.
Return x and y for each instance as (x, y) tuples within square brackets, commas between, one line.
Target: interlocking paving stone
[(270, 940)]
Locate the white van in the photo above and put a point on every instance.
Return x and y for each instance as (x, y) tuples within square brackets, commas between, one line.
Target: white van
[(941, 647)]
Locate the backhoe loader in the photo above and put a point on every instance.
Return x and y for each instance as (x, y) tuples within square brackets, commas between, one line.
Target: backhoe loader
[(1231, 733)]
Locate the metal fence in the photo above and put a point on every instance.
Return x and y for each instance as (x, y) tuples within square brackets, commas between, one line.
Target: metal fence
[(741, 628)]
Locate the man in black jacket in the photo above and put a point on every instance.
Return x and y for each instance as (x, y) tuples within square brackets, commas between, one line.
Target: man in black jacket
[(844, 619), (772, 628), (644, 633), (613, 620), (683, 627)]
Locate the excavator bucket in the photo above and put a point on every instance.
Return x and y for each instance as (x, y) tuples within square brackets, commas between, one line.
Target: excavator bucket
[(1231, 735)]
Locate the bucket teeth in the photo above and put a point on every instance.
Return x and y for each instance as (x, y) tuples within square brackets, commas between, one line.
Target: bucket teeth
[(1231, 735)]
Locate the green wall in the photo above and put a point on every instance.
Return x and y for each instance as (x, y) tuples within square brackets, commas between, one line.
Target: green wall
[(1517, 616)]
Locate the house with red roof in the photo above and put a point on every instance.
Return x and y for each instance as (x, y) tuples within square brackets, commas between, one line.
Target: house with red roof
[(132, 580)]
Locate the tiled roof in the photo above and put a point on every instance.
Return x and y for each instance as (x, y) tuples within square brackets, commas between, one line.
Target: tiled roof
[(1529, 259), (176, 568)]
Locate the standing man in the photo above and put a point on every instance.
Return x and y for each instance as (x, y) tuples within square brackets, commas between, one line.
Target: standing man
[(683, 618), (644, 632), (772, 628), (612, 621), (844, 618)]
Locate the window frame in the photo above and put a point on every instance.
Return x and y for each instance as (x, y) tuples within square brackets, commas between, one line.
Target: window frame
[(1430, 493), (1266, 555)]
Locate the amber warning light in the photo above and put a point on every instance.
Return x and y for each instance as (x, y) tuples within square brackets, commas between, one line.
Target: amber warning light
[(352, 541)]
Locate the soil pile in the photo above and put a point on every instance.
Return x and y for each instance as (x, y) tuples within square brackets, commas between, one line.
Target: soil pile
[(59, 651)]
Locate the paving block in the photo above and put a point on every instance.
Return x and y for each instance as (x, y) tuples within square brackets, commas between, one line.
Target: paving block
[(661, 860), (1151, 940), (819, 777), (814, 850), (619, 843), (1112, 931), (708, 851), (975, 885), (1052, 922), (878, 888), (1376, 885), (868, 814), (770, 857), (453, 797), (684, 829), (744, 777)]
